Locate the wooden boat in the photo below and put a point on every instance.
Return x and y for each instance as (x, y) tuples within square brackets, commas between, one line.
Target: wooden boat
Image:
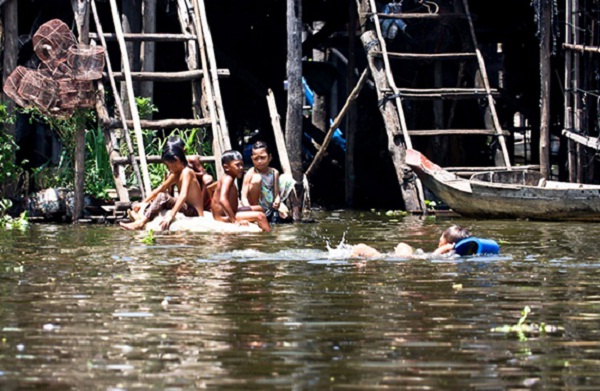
[(508, 193)]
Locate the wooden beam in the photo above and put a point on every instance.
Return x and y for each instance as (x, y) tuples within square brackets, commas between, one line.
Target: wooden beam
[(156, 159), (284, 160), (590, 142)]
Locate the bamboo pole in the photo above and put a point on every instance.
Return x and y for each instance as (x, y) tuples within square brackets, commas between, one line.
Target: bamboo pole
[(118, 101), (210, 51), (336, 122), (218, 145), (154, 37), (352, 116), (284, 160), (131, 97), (191, 55), (484, 77)]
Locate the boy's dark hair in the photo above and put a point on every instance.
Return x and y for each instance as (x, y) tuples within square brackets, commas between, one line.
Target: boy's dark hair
[(455, 233), (230, 155), (176, 142), (172, 153), (260, 145)]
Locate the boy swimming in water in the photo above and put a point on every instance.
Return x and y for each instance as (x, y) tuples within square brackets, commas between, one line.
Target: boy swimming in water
[(449, 238), (224, 204)]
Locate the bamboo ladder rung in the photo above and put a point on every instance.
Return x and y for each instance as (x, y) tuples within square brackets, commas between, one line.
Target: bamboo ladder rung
[(172, 123), (455, 132), (122, 160), (415, 15), (147, 37), (427, 56), (178, 76), (442, 93)]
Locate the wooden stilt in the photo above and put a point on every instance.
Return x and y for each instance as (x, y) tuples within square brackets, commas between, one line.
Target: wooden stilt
[(545, 69), (351, 117), (81, 12)]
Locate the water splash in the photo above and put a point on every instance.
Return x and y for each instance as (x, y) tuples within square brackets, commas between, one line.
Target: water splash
[(341, 251)]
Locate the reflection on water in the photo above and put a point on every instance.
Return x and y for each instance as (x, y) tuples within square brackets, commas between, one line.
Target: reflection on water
[(92, 307)]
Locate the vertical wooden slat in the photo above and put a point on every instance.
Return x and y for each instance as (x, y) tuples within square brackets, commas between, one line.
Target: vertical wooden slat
[(148, 47), (545, 69)]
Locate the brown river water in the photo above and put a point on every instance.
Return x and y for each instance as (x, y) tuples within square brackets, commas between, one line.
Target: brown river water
[(92, 307)]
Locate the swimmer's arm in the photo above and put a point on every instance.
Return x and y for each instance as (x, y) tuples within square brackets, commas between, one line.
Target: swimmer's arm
[(446, 248), (361, 250)]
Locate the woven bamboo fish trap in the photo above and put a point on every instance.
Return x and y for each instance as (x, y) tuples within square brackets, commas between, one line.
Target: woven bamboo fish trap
[(11, 86), (39, 90), (51, 42), (86, 61)]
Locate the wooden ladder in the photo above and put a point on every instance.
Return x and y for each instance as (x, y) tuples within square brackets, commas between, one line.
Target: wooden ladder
[(402, 96), (207, 107)]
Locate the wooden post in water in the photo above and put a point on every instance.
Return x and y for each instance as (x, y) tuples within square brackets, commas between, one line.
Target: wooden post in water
[(81, 11), (131, 14), (568, 116), (545, 69), (295, 98), (352, 115)]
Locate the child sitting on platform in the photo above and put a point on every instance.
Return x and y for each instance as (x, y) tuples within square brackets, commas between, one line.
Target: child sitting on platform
[(264, 186), (204, 179), (189, 201), (224, 202), (449, 238)]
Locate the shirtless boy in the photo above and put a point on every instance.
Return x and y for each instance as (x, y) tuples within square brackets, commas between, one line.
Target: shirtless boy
[(190, 200), (224, 204), (204, 179)]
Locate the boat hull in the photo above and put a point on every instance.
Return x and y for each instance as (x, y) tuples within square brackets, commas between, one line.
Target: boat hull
[(481, 197)]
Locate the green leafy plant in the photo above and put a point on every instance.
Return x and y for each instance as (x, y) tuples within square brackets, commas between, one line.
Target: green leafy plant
[(149, 238), (8, 222), (145, 107), (431, 205), (522, 328)]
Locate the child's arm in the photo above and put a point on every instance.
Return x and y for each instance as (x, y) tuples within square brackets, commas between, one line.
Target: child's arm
[(446, 248), (224, 198), (246, 186), (194, 162), (181, 198), (277, 196), (167, 183)]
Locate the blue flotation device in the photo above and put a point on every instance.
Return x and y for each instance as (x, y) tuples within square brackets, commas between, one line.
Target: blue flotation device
[(476, 246)]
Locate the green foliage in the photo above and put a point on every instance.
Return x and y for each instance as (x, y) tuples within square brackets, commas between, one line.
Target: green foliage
[(522, 328), (145, 107), (8, 222), (149, 239), (98, 172), (9, 170), (430, 205)]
